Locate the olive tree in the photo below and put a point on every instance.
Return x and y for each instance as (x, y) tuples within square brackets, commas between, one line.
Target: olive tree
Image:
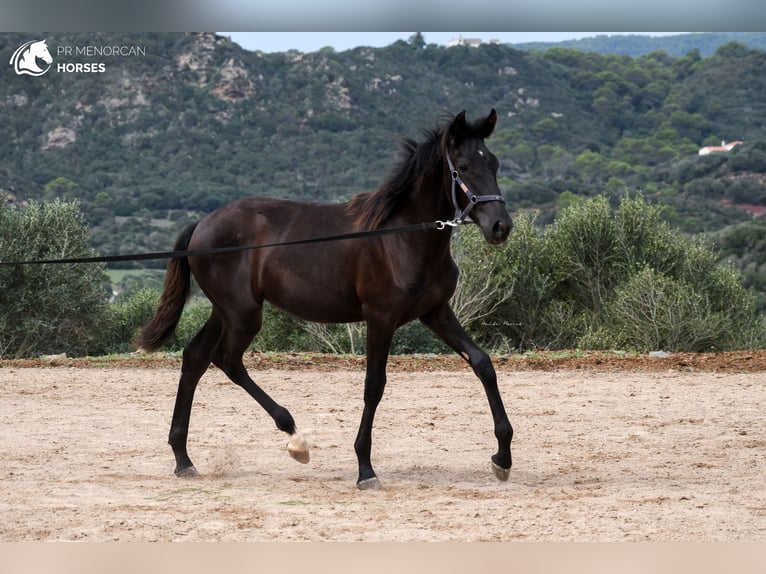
[(54, 308)]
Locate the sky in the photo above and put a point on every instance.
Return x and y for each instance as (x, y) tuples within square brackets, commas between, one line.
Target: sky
[(308, 17), (340, 41)]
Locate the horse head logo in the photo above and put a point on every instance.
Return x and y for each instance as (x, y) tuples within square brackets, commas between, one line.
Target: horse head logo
[(25, 58)]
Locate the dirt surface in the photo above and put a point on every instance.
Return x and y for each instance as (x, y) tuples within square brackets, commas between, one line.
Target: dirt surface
[(608, 447)]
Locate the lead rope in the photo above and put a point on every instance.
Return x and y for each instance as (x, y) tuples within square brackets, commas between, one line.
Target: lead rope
[(438, 225)]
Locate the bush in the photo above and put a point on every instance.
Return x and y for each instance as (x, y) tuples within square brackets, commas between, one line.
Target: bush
[(123, 319), (654, 311), (600, 277), (582, 244), (48, 309), (280, 332), (503, 291), (416, 338)]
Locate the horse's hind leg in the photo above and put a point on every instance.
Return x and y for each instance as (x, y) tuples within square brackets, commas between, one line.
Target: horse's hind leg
[(227, 356), (196, 359)]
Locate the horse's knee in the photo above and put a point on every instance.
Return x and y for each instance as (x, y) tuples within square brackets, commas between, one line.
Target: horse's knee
[(482, 365), (373, 389)]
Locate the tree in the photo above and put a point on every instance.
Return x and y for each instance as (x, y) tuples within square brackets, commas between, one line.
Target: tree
[(61, 188), (554, 161), (47, 308), (591, 165), (417, 40)]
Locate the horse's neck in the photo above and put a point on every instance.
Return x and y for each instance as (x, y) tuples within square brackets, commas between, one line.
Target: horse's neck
[(427, 204), (430, 202)]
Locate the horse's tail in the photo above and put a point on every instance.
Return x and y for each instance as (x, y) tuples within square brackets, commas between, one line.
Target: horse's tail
[(174, 295)]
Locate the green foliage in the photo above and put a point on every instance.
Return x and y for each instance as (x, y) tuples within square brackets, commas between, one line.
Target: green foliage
[(194, 317), (655, 311), (583, 242), (47, 309), (503, 291), (604, 277), (635, 45), (132, 311), (743, 246), (123, 319), (282, 332), (598, 277), (61, 188), (126, 282)]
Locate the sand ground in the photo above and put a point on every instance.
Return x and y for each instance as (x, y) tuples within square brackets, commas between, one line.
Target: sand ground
[(599, 455)]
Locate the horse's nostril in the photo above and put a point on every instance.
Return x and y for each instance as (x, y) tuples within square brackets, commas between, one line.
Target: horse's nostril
[(500, 230)]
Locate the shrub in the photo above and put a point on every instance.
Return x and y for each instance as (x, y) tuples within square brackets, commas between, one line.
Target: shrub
[(282, 332), (193, 318), (48, 309), (601, 277), (123, 319), (503, 290), (654, 311)]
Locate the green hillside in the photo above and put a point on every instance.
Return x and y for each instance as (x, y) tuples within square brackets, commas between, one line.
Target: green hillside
[(194, 121), (636, 45)]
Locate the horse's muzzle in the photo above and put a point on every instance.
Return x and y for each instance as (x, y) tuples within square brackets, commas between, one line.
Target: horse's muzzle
[(500, 230)]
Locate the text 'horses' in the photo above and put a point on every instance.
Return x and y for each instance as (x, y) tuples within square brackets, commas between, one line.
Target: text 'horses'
[(386, 281)]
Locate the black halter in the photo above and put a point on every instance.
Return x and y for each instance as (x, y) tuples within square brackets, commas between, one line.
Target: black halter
[(462, 216)]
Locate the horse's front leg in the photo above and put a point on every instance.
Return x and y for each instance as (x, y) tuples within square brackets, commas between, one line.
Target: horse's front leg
[(378, 345), (445, 325)]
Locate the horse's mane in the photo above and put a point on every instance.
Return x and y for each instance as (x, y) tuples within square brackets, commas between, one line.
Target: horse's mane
[(371, 210)]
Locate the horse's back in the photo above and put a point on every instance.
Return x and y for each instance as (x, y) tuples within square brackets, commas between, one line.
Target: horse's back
[(270, 220)]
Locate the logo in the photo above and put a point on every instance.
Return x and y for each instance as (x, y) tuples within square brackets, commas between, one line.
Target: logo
[(25, 58)]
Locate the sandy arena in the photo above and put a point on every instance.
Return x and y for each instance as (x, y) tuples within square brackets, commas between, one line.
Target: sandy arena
[(604, 451)]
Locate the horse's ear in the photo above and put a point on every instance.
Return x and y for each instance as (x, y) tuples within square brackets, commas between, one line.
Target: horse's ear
[(456, 129), (488, 125)]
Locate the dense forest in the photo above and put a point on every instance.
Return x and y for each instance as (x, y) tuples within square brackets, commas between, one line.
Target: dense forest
[(194, 121), (641, 44)]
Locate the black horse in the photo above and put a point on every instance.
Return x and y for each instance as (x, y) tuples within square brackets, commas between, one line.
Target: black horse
[(386, 280)]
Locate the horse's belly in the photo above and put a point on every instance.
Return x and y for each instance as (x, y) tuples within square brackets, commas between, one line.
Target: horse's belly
[(317, 309), (312, 297)]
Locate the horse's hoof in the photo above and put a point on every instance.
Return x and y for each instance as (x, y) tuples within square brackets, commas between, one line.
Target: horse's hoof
[(502, 474), (369, 484), (298, 448), (188, 472)]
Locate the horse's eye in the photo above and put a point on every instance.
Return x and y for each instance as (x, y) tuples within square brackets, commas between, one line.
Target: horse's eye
[(462, 167)]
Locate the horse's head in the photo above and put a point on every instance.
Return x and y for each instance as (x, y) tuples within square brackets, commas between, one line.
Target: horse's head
[(40, 50), (474, 192)]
